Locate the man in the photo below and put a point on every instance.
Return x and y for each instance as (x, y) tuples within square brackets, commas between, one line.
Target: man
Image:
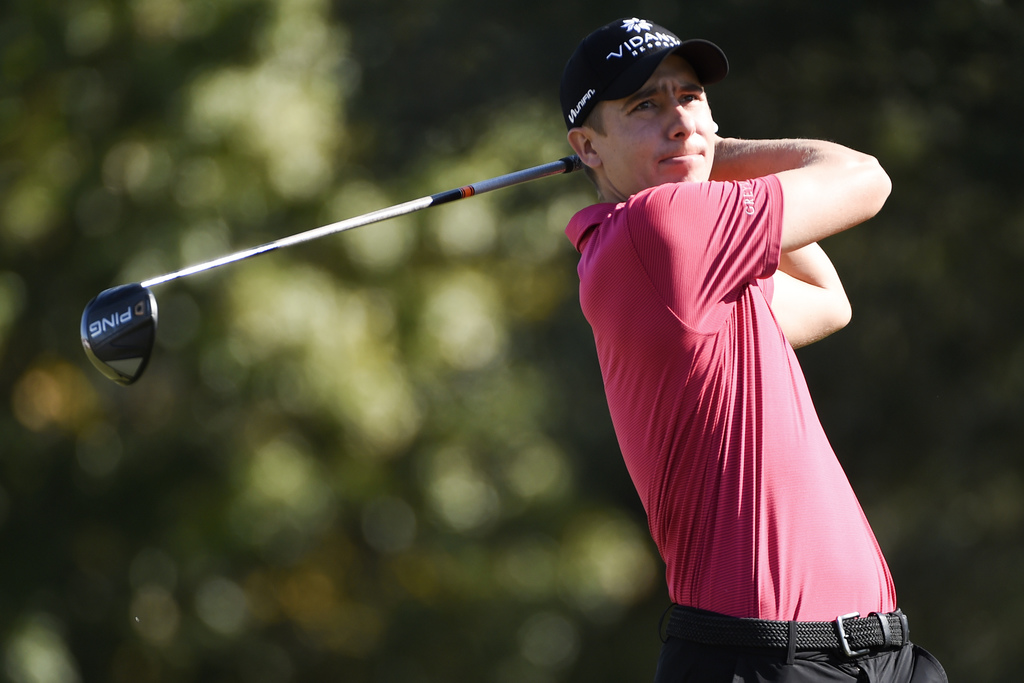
[(700, 273)]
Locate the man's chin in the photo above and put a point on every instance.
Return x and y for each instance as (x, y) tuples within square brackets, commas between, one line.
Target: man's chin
[(685, 178), (685, 170)]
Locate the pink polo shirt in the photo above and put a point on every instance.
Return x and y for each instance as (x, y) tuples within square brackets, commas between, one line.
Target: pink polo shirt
[(745, 499)]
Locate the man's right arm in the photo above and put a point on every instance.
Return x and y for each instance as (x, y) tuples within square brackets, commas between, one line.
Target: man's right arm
[(827, 188)]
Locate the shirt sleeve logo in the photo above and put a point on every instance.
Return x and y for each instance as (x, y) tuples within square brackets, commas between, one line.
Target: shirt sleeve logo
[(747, 195)]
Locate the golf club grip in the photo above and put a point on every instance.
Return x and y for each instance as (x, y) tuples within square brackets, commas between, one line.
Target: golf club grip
[(564, 165)]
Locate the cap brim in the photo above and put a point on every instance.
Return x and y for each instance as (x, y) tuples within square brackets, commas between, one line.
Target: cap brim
[(707, 59)]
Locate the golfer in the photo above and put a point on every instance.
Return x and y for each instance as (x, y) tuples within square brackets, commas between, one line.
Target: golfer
[(700, 273)]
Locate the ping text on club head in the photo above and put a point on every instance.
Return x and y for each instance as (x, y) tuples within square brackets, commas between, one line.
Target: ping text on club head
[(111, 322)]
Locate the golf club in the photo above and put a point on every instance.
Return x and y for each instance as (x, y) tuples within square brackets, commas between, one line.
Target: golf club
[(119, 324)]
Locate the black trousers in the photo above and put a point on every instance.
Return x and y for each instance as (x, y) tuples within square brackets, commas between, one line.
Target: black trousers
[(683, 661)]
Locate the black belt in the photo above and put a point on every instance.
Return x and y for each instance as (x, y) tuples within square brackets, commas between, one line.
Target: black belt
[(850, 634)]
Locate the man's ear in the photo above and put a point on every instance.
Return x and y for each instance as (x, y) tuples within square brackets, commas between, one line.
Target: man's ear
[(581, 141)]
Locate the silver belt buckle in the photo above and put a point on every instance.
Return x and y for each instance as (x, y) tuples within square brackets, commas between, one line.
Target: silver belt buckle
[(844, 644)]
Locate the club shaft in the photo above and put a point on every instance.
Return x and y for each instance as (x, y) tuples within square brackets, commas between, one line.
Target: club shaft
[(565, 165)]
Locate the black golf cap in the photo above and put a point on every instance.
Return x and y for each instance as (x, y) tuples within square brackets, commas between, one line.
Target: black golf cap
[(617, 59)]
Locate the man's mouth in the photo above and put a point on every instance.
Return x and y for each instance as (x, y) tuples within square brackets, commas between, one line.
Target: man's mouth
[(684, 157)]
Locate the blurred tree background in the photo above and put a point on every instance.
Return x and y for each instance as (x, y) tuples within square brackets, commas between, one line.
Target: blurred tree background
[(385, 456)]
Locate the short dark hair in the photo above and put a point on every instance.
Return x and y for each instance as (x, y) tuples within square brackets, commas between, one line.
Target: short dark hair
[(595, 120)]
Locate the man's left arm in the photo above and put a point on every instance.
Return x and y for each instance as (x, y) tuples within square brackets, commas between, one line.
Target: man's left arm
[(809, 300)]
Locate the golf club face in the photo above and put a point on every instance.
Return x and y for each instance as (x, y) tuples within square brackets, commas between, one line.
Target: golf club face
[(118, 330)]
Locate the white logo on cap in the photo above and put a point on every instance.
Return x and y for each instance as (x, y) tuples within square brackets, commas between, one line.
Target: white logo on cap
[(637, 25), (579, 107), (641, 43)]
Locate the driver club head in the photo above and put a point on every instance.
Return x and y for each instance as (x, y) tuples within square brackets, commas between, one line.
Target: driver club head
[(118, 329)]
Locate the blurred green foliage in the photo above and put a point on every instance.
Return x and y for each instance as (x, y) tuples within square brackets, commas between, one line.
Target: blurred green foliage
[(386, 455)]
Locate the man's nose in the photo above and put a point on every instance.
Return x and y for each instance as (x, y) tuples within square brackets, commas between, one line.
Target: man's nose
[(681, 122)]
